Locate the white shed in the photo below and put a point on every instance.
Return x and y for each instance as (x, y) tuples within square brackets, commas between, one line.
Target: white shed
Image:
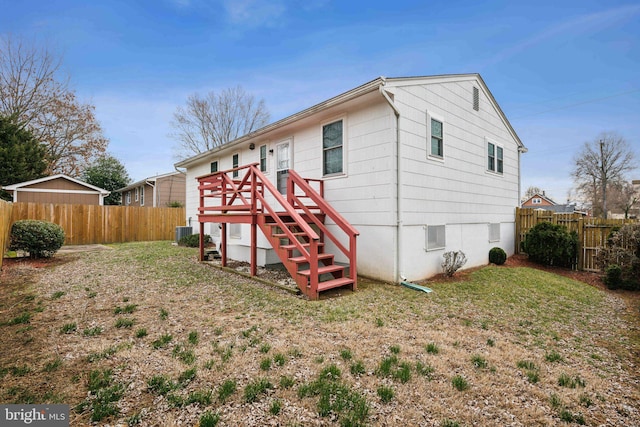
[(418, 165)]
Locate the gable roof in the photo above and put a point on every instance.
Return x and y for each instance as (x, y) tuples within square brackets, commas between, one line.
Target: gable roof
[(540, 196), (19, 185), (149, 179), (377, 84)]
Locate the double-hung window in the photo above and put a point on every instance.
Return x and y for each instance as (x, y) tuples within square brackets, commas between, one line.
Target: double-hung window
[(332, 148), (142, 196), (236, 162), (437, 142), (495, 161), (137, 194), (263, 158)]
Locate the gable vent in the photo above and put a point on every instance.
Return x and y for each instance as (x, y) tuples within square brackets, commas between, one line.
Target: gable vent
[(476, 99)]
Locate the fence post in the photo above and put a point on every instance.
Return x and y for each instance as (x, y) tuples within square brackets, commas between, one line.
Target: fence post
[(580, 248)]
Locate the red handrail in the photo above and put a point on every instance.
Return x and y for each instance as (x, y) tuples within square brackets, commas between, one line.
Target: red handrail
[(328, 210), (220, 186)]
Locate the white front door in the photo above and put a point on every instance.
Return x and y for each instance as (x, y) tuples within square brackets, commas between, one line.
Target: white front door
[(283, 163)]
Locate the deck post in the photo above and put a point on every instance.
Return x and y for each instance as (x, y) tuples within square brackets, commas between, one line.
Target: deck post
[(201, 241), (223, 244), (254, 247)]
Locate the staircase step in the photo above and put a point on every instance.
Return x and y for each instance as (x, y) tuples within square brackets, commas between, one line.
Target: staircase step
[(284, 235), (304, 245), (335, 283), (323, 270), (301, 259)]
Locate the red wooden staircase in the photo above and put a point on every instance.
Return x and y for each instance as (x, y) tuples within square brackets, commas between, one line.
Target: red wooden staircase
[(296, 229)]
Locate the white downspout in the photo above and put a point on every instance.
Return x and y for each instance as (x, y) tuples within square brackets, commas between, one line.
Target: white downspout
[(398, 273)]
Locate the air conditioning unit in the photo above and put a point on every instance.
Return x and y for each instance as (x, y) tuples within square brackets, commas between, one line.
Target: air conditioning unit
[(183, 231)]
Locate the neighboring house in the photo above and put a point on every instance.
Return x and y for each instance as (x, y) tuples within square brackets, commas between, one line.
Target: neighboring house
[(541, 201), (57, 189), (538, 201), (419, 166), (155, 191)]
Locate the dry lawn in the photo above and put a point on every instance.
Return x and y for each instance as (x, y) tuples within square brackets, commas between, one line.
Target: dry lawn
[(87, 330)]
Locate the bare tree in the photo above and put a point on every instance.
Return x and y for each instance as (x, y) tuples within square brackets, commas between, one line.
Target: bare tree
[(209, 121), (532, 191), (31, 92), (602, 162), (623, 196)]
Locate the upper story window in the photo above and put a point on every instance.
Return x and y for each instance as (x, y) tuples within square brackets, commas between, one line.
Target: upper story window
[(263, 158), (236, 162), (332, 148), (437, 146), (536, 200), (494, 158), (214, 166)]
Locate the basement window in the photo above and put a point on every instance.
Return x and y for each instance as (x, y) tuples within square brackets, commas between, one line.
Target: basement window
[(435, 237), (494, 232)]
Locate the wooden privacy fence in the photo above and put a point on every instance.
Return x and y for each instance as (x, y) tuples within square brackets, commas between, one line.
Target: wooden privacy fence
[(592, 232), (5, 225), (92, 224)]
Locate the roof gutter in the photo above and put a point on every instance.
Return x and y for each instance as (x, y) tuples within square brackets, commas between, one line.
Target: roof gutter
[(398, 273)]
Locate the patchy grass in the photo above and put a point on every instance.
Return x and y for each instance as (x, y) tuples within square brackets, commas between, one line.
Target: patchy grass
[(202, 338)]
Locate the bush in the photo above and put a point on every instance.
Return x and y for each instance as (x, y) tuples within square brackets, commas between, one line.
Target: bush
[(453, 261), (613, 276), (497, 256), (551, 244), (41, 239), (622, 252), (193, 241)]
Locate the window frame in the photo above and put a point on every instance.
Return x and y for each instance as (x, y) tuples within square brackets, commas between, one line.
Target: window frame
[(431, 116), (263, 158), (440, 238), (235, 162), (128, 198), (217, 168), (343, 167), (497, 167), (136, 193), (142, 195)]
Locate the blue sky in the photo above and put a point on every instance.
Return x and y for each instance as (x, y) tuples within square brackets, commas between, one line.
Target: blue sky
[(562, 71)]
